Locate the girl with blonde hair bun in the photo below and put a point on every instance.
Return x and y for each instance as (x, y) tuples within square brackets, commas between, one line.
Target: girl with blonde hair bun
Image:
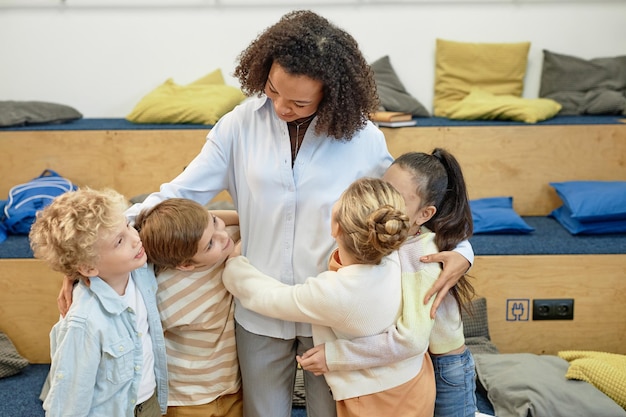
[(370, 220), (360, 295)]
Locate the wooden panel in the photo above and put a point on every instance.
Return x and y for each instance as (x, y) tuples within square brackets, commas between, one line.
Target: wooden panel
[(520, 161), (28, 306), (597, 283), (130, 161), (517, 161)]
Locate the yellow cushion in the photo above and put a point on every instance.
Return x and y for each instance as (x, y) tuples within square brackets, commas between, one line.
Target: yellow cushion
[(606, 371), (498, 68), (482, 105), (203, 101), (214, 77)]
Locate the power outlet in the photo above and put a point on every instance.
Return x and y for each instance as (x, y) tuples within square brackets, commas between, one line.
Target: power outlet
[(553, 309)]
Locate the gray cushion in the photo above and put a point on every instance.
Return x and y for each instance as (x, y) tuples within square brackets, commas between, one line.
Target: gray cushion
[(393, 96), (476, 323), (480, 345), (11, 362), (476, 328), (581, 86), (602, 101), (525, 384), (21, 113)]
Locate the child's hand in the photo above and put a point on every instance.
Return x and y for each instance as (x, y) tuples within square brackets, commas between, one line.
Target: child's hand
[(236, 251), (314, 360)]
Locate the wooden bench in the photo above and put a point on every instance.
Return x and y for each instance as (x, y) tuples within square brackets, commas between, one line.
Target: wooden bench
[(498, 159)]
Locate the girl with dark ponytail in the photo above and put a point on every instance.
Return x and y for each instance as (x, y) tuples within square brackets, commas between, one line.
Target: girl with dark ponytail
[(440, 219)]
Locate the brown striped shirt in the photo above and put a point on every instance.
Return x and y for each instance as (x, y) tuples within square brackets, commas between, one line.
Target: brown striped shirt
[(197, 313)]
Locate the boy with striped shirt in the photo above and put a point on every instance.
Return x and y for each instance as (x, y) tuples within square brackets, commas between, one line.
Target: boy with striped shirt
[(188, 247)]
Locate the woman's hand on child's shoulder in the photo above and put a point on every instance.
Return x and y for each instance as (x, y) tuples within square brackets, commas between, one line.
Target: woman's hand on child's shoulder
[(454, 267)]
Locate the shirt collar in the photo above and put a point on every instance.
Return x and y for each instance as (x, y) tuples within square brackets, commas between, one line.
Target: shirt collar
[(262, 101), (110, 300)]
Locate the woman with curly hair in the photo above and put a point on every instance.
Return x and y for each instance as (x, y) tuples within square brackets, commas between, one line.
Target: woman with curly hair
[(285, 155)]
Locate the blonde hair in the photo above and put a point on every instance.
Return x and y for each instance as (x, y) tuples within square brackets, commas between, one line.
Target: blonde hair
[(372, 218), (171, 231), (65, 232)]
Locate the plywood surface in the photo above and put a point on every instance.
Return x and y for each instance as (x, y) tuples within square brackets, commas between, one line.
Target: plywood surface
[(597, 283), (131, 161), (517, 161), (521, 161), (28, 306)]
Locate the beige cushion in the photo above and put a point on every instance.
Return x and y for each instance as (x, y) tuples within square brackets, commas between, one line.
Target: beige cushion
[(482, 105), (497, 68), (606, 371), (203, 101)]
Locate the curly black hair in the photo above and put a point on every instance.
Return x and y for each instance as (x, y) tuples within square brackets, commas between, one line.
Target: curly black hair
[(304, 43)]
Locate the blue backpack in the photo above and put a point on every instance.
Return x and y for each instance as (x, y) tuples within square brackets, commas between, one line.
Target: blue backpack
[(25, 200)]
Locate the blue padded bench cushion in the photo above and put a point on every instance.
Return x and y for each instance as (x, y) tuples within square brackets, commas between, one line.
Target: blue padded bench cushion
[(549, 238), (15, 246), (555, 121), (123, 124), (105, 124)]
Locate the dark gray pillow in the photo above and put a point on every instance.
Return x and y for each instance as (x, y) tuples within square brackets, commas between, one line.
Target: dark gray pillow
[(480, 345), (581, 86), (11, 362), (602, 101), (138, 198), (393, 96), (476, 323), (22, 113)]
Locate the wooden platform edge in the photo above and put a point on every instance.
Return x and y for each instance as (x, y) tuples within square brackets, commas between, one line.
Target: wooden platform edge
[(28, 307)]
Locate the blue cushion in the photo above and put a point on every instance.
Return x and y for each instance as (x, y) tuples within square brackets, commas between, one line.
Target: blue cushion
[(593, 200), (3, 230), (575, 227), (496, 215)]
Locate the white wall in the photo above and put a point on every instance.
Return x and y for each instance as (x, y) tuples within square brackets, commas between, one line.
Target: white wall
[(103, 59)]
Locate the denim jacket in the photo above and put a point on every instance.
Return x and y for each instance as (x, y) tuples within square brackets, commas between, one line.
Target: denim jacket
[(97, 354)]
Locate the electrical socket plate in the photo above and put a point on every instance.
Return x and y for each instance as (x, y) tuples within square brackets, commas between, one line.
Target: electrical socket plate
[(553, 309)]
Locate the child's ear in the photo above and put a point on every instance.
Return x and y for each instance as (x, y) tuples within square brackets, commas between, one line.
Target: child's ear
[(186, 268), (425, 214), (88, 271), (335, 230)]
